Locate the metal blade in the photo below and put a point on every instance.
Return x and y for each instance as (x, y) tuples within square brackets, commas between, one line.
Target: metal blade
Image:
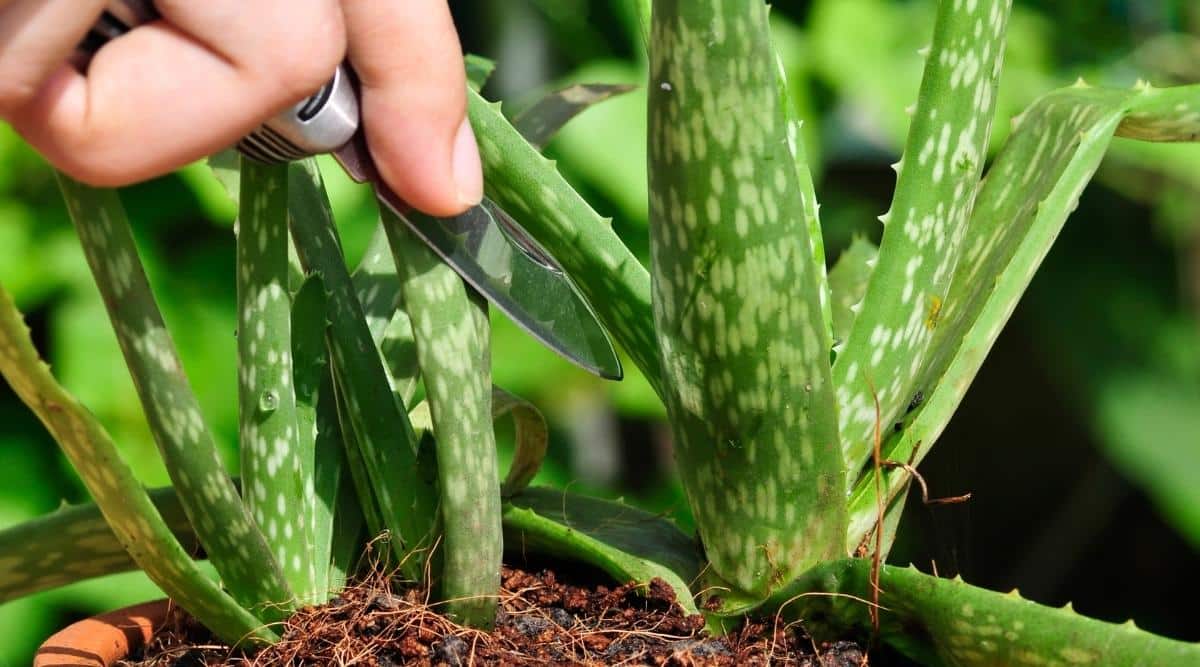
[(491, 251)]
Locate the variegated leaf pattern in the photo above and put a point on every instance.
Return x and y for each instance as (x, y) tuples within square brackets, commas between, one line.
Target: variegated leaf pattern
[(886, 350), (74, 543), (737, 306), (1032, 187), (318, 443), (229, 534), (276, 485), (847, 285), (946, 622), (378, 289), (450, 325), (381, 445), (810, 209), (124, 503), (540, 122), (528, 187)]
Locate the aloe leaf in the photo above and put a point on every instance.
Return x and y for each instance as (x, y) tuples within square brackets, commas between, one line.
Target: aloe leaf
[(532, 439), (233, 541), (125, 504), (922, 241), (73, 543), (847, 285), (381, 444), (398, 348), (947, 622), (1030, 190), (529, 187), (276, 484), (479, 70), (376, 284), (356, 463), (626, 543), (540, 122), (451, 329), (737, 307), (810, 209), (378, 288), (318, 434), (532, 436), (349, 532)]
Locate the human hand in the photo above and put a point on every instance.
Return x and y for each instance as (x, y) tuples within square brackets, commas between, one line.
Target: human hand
[(174, 90)]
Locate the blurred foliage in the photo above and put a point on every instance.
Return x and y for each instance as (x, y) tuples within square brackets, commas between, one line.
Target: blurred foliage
[(1113, 318)]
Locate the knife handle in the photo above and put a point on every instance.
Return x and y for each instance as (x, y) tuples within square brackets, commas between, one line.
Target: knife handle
[(320, 123)]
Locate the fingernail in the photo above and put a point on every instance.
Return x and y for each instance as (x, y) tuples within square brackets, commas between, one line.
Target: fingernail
[(468, 174)]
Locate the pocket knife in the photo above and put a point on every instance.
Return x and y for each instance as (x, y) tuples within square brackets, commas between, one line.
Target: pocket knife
[(485, 246)]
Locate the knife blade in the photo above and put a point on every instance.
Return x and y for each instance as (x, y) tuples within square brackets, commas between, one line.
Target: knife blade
[(485, 246)]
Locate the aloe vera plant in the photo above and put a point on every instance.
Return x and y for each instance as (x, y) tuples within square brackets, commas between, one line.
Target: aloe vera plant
[(777, 375)]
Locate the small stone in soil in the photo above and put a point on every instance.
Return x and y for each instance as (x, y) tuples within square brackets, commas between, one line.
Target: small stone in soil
[(700, 648), (562, 617), (451, 650), (530, 625)]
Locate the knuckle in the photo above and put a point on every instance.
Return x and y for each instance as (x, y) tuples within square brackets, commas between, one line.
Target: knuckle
[(312, 49)]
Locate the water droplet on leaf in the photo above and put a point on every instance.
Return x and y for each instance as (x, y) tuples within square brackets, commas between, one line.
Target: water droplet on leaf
[(268, 402)]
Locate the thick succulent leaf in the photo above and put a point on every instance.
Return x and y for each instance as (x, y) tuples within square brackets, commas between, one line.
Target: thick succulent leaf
[(529, 188), (276, 483), (532, 438), (1030, 190), (479, 70), (75, 543), (848, 284), (376, 284), (948, 622), (626, 543), (356, 462), (228, 532), (808, 194), (378, 288), (380, 441), (318, 442), (540, 122), (453, 345), (737, 304), (126, 506), (887, 347)]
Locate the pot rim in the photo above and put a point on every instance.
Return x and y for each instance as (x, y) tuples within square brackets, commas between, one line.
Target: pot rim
[(102, 640)]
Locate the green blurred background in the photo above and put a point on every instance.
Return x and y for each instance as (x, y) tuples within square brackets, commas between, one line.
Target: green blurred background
[(1080, 439)]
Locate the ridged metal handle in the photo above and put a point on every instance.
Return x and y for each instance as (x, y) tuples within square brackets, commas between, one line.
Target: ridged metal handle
[(321, 123)]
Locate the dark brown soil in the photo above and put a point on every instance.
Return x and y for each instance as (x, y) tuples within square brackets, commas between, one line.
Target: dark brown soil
[(541, 621)]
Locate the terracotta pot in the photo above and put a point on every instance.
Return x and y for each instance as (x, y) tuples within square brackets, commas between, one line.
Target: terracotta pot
[(104, 639)]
